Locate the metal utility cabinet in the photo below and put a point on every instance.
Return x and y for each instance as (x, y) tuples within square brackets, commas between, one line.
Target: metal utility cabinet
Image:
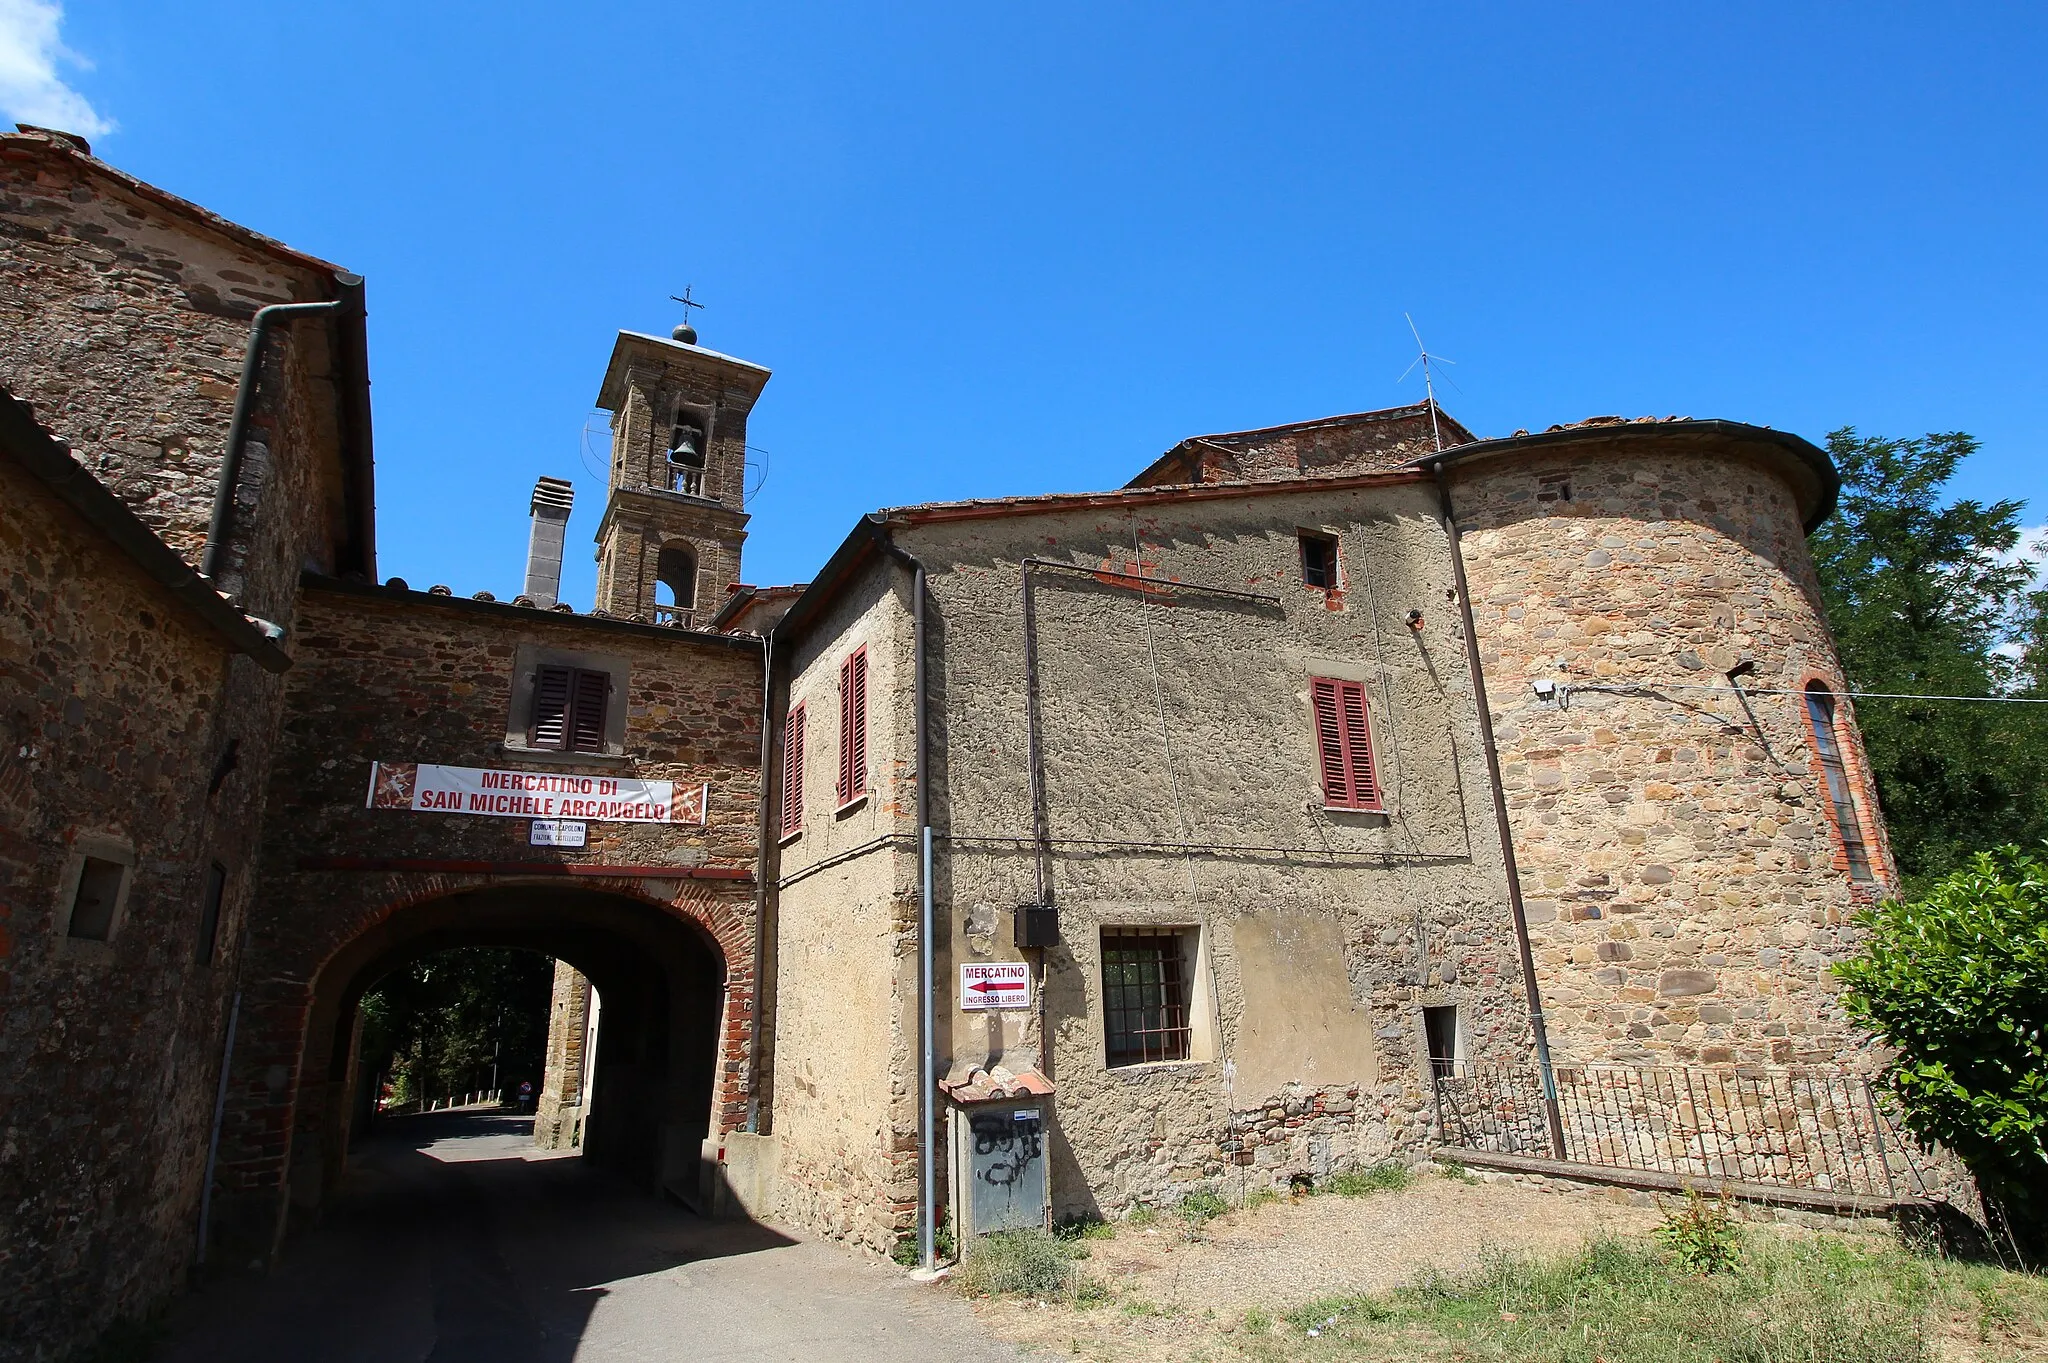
[(998, 1164)]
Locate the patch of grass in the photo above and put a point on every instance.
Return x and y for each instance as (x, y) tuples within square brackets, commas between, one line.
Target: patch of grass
[(1782, 1301), (905, 1251), (1089, 1293), (1084, 1228), (1138, 1308), (1140, 1216), (1200, 1207), (1017, 1263), (1258, 1322), (1388, 1176), (1454, 1168), (1259, 1197)]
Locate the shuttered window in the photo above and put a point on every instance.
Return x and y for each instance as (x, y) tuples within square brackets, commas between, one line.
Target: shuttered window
[(853, 725), (793, 772), (1344, 744), (569, 709)]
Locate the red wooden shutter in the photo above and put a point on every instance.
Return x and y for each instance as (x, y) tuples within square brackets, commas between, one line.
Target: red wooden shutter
[(1365, 783), (550, 727), (586, 712), (1330, 743), (793, 772), (853, 726), (1344, 744)]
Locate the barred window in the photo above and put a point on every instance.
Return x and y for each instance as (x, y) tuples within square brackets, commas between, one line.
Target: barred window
[(1145, 994)]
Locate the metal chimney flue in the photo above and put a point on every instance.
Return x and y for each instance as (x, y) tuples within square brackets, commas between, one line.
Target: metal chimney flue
[(552, 498)]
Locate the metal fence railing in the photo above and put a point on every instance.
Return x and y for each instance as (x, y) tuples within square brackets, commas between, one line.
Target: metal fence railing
[(1793, 1128)]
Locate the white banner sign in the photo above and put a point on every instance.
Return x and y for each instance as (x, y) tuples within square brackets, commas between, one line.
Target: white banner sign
[(532, 794), (1000, 984)]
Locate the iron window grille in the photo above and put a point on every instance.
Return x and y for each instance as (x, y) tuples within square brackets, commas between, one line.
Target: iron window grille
[(1145, 995)]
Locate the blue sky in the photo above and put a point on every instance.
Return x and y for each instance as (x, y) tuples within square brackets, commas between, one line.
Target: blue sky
[(990, 250)]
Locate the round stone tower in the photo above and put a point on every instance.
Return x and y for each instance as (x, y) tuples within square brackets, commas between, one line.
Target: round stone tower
[(1689, 803)]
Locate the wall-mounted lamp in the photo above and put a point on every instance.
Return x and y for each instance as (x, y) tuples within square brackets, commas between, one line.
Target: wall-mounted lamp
[(1415, 620), (1742, 669), (1544, 688)]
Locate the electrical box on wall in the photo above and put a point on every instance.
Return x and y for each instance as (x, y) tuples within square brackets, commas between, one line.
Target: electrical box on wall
[(998, 1165), (1037, 925)]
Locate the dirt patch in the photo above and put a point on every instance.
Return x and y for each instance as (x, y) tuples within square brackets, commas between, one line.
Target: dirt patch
[(1275, 1257)]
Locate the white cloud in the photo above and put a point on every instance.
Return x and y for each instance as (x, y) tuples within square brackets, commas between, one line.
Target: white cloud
[(31, 91)]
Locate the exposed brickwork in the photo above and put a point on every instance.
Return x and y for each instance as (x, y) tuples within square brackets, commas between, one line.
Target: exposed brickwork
[(1367, 442), (1684, 881)]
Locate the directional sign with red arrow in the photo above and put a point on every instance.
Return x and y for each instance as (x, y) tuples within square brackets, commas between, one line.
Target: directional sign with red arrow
[(998, 984)]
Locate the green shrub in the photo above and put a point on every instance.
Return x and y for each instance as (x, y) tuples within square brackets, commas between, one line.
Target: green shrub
[(1388, 1176), (1957, 983), (1201, 1206), (1017, 1263), (1702, 1236)]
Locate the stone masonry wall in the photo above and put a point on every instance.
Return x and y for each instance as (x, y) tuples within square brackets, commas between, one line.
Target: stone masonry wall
[(112, 725), (1684, 882), (394, 675), (558, 1115)]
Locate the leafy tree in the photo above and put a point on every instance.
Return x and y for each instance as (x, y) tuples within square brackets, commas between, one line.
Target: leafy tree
[(1956, 982), (1926, 597), (432, 1026)]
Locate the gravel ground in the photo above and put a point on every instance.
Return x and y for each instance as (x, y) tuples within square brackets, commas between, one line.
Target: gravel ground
[(1283, 1254)]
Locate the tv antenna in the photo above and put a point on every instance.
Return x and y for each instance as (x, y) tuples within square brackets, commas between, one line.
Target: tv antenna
[(1427, 361)]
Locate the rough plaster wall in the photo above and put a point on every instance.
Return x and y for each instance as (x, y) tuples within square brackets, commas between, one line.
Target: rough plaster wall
[(846, 921), (1680, 867), (1419, 893), (111, 702)]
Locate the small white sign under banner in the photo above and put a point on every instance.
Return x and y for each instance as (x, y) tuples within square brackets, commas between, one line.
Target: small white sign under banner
[(558, 833), (425, 787), (997, 984)]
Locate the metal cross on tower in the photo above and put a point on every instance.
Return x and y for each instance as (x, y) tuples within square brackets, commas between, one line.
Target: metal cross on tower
[(685, 299)]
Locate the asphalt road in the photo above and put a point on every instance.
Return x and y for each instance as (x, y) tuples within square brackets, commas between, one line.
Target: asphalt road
[(457, 1241)]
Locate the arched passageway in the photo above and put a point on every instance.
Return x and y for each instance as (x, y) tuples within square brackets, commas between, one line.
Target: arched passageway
[(664, 1064)]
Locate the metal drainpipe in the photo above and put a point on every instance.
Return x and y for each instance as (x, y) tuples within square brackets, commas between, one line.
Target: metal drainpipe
[(213, 557), (927, 1022), (769, 779), (1500, 818)]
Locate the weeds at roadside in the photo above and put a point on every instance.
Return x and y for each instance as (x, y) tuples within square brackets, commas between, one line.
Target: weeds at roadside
[(1454, 1169), (1084, 1228), (1702, 1236), (1018, 1263), (1388, 1176), (1199, 1208)]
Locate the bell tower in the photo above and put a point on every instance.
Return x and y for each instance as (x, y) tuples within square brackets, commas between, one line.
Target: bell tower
[(668, 548)]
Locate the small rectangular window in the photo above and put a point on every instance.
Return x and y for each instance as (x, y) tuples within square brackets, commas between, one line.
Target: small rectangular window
[(98, 895), (793, 773), (209, 912), (569, 709), (1344, 744), (853, 725), (1318, 560), (1440, 1033), (1145, 995)]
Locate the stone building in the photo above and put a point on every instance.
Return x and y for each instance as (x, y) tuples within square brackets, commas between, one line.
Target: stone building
[(1316, 763)]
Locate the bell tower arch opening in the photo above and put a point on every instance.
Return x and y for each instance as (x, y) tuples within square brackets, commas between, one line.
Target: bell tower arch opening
[(678, 476)]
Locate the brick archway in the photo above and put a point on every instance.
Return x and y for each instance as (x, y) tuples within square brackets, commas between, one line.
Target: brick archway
[(673, 954)]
